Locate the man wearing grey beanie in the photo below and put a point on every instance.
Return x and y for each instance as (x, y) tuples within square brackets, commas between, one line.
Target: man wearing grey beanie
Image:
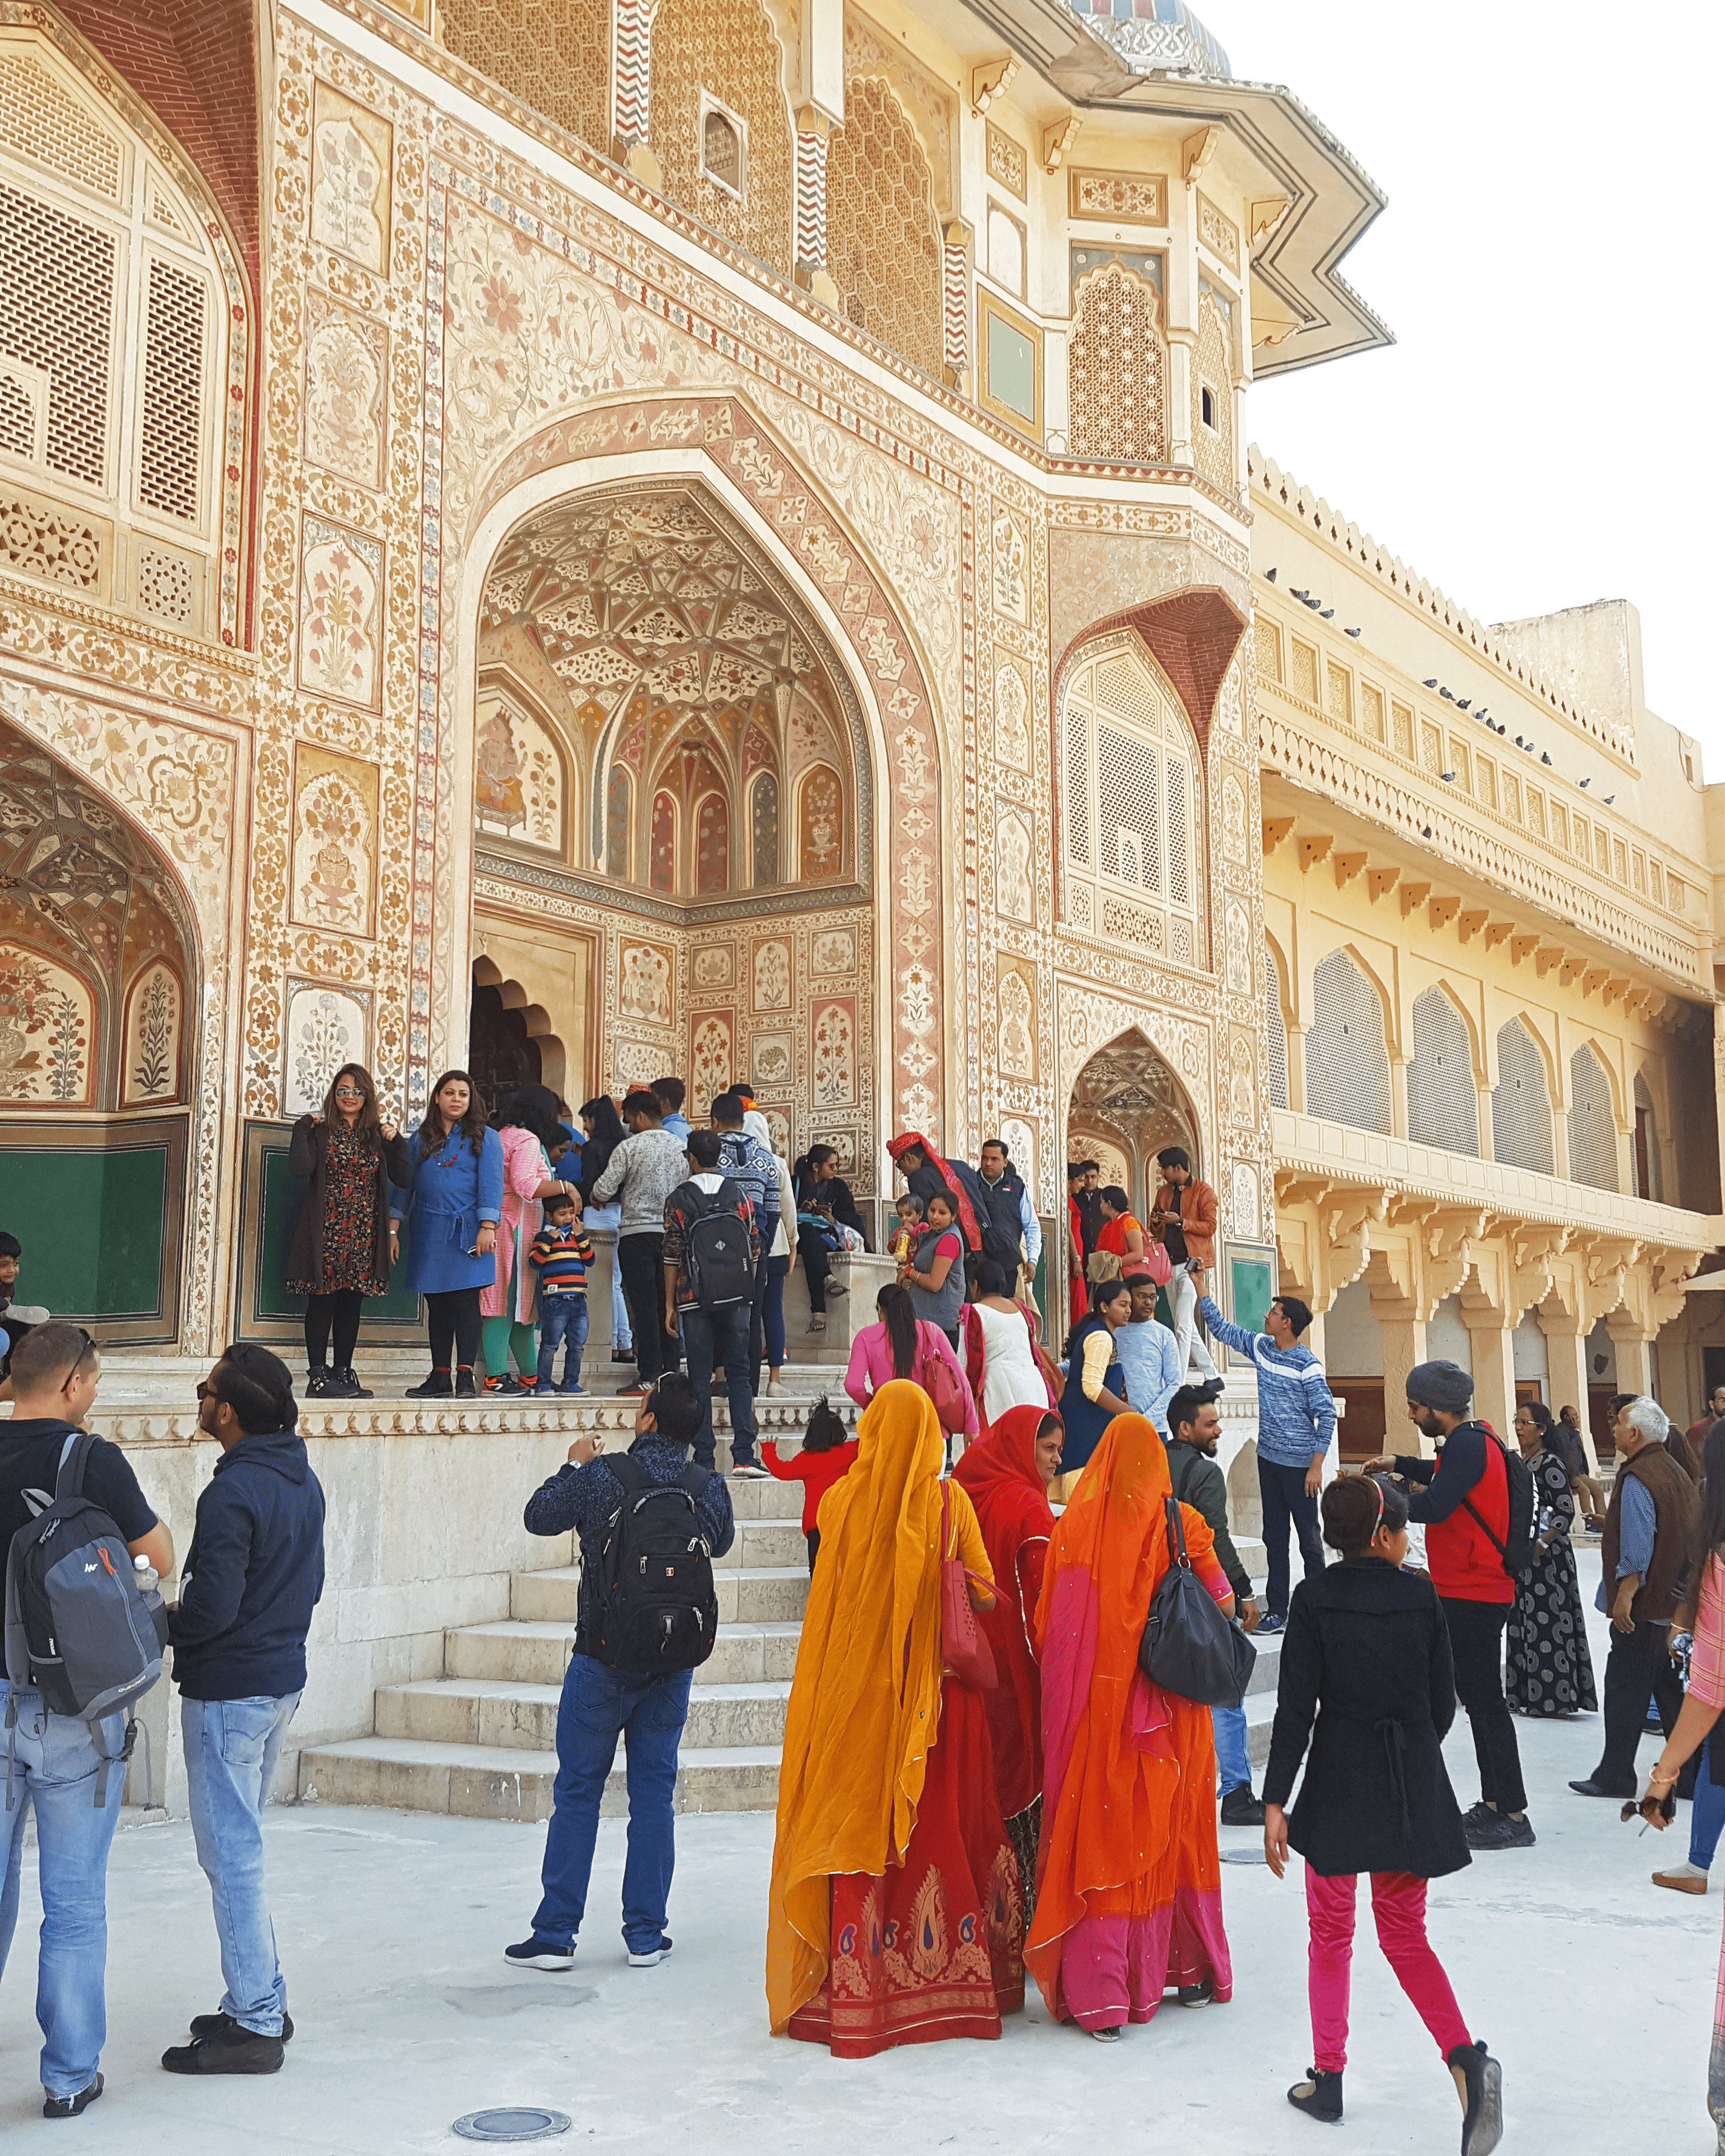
[(1463, 1500)]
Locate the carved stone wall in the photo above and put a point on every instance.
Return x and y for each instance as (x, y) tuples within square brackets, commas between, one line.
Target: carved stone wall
[(883, 237), (556, 58), (726, 49)]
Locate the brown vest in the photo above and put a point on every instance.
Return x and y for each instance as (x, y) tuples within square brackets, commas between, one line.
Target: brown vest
[(1673, 1496)]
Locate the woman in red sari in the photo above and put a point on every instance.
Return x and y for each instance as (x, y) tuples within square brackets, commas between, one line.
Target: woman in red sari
[(894, 1915), (1007, 1473), (1128, 1886)]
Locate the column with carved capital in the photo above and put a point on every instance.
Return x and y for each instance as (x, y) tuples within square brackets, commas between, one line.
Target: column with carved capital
[(955, 306), (815, 135), (1632, 1349), (631, 90)]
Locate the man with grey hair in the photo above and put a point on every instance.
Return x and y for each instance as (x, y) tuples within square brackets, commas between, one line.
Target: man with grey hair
[(1648, 1527)]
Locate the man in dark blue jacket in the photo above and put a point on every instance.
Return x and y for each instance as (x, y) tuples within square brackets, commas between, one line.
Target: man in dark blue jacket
[(251, 1581)]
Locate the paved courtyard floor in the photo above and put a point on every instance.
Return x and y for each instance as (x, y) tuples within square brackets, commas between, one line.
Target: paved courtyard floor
[(1594, 1988)]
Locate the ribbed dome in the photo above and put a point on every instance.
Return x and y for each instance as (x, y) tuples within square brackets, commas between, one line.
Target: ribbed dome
[(1152, 35)]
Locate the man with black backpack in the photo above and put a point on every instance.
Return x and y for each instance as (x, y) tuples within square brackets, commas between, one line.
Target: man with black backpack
[(650, 1525), (712, 1251), (68, 1769), (1476, 1501)]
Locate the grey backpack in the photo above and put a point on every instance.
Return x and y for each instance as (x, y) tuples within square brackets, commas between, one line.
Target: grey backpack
[(78, 1628)]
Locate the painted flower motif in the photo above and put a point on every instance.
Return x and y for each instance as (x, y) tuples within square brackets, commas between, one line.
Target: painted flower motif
[(500, 305)]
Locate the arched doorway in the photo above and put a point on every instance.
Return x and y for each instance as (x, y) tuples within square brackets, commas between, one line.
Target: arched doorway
[(672, 818), (99, 992), (1126, 1107)]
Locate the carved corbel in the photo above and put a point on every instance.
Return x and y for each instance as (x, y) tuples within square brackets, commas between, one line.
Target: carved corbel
[(1348, 867), (1448, 1235), (1348, 1226), (1521, 947), (1533, 1253), (1496, 933), (1414, 896), (1380, 882), (1276, 829), (1314, 848), (1442, 911), (1196, 153), (1592, 978), (1545, 958), (1470, 921), (1058, 140), (1264, 214), (990, 82)]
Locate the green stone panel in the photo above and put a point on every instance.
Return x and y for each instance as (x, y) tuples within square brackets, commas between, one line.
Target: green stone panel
[(91, 1223)]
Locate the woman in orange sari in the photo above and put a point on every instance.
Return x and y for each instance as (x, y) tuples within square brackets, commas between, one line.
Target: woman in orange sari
[(1007, 1472), (1128, 1889), (893, 1916)]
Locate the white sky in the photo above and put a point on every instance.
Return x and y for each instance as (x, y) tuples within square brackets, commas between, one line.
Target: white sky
[(1542, 434)]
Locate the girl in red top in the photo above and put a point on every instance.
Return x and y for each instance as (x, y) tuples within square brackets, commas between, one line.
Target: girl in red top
[(826, 1459)]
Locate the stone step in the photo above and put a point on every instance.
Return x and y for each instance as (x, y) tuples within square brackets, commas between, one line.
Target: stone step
[(1260, 1716), (762, 1651), (517, 1717), (481, 1781)]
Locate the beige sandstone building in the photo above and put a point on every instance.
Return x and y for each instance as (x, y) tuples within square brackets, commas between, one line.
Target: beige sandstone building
[(601, 538)]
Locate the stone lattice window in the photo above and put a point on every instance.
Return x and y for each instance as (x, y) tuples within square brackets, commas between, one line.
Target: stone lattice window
[(1117, 369), (1521, 1104), (883, 237), (1213, 369), (1275, 1032), (726, 48), (1133, 801), (1347, 1054), (1443, 1103), (1593, 1123), (112, 338), (556, 58)]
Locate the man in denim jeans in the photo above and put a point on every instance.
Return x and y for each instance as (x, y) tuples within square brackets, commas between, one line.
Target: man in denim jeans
[(599, 1704), (252, 1578), (718, 1335), (52, 1763)]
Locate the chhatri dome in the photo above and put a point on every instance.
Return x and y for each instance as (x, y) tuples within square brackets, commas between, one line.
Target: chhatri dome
[(1156, 35)]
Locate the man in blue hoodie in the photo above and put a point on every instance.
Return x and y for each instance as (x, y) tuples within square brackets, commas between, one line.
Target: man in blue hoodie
[(251, 1581)]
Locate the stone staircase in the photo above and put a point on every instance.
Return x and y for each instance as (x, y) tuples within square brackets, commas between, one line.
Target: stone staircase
[(480, 1741)]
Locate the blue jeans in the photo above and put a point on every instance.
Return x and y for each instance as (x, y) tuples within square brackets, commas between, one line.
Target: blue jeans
[(1282, 1491), (611, 1216), (54, 1765), (562, 1317), (709, 1337), (1234, 1765), (599, 1705), (1707, 1815), (232, 1746), (778, 1271)]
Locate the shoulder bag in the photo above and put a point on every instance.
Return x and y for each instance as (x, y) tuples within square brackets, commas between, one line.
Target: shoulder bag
[(964, 1645), (943, 1384), (1189, 1648)]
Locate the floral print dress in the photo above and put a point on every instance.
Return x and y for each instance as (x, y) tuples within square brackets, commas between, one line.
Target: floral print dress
[(1548, 1668), (349, 1217)]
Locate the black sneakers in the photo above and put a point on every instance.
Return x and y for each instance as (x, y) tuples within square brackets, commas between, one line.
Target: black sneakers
[(436, 1386), (72, 2107), (1497, 1830), (211, 2025), (1240, 1808), (227, 2049), (540, 1953)]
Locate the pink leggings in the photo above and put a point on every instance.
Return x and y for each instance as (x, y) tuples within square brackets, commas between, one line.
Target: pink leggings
[(1399, 1907)]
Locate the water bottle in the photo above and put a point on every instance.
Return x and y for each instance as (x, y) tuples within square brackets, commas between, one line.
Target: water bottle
[(155, 1609), (146, 1575)]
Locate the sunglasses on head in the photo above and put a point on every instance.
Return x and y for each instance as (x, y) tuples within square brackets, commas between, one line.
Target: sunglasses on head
[(83, 1352)]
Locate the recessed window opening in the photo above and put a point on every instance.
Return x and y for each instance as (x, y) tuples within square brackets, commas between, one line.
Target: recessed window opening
[(721, 149), (1206, 408)]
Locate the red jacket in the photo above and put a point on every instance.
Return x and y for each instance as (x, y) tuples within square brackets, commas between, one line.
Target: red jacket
[(1466, 1564), (817, 1471)]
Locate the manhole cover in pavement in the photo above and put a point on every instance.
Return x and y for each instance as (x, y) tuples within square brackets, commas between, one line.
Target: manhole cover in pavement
[(514, 2122), (1242, 1856)]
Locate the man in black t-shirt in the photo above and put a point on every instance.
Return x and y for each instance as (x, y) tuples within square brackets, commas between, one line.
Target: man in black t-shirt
[(55, 1369)]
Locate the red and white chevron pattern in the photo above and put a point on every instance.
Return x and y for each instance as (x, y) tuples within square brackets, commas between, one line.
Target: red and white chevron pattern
[(633, 48), (812, 199), (955, 300)]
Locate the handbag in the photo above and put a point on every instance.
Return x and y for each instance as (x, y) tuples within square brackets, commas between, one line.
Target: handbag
[(964, 1645), (944, 1388), (1189, 1648)]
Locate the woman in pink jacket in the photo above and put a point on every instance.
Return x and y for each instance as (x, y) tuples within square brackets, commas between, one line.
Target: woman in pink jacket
[(526, 1121), (898, 1347)]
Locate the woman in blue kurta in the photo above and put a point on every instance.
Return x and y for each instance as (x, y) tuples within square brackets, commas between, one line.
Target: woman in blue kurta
[(1096, 1386), (454, 1206)]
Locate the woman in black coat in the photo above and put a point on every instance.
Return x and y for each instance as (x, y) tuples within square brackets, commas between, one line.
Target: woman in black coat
[(343, 1242), (1366, 1654)]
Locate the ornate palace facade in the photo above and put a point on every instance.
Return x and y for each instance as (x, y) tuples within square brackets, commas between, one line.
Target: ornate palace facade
[(719, 537)]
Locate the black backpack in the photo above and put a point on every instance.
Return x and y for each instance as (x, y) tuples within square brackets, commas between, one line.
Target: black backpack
[(717, 1262), (77, 1628), (657, 1609), (1516, 1551)]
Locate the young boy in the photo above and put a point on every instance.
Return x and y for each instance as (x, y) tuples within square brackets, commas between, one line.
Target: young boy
[(905, 1237), (561, 1253), (16, 1318)]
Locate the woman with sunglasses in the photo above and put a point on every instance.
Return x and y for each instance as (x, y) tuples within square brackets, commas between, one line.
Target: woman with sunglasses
[(1366, 1657), (344, 1241)]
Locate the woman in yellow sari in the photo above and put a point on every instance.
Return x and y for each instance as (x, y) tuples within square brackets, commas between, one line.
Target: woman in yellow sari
[(896, 1914), (1129, 1886)]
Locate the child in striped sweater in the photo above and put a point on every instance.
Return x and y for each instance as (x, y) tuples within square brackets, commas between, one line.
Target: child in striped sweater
[(560, 1254)]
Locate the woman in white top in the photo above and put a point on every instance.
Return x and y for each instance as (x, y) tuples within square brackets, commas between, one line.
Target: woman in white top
[(779, 1265), (1004, 1359)]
